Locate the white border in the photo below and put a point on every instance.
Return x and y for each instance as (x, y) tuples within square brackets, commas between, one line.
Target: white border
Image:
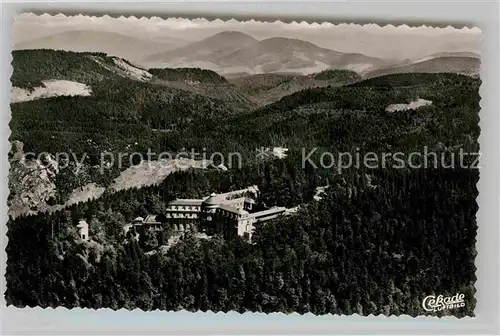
[(483, 14)]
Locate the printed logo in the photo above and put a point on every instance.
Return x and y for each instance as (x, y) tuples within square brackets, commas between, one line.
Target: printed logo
[(434, 303)]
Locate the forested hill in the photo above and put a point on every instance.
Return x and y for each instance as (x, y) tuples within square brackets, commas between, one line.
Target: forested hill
[(342, 76), (129, 106), (165, 118), (189, 74), (204, 82), (31, 67), (423, 80), (270, 87), (342, 118), (460, 64)]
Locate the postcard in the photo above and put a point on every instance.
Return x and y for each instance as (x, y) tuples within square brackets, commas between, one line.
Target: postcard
[(249, 166)]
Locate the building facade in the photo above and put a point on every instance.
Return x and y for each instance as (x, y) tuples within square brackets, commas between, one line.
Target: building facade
[(83, 230), (231, 214), (233, 221)]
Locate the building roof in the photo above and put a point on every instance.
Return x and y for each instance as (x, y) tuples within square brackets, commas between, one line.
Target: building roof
[(186, 201), (216, 199), (212, 200), (233, 209), (82, 223), (233, 200), (268, 212), (139, 219), (150, 219), (229, 208), (249, 200), (252, 189)]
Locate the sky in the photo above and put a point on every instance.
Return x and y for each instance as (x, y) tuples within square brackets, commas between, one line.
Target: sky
[(388, 42)]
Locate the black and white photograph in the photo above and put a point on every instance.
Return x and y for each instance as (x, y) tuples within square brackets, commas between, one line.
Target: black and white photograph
[(251, 166)]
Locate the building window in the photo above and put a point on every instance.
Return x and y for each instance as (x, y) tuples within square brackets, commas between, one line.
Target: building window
[(83, 236)]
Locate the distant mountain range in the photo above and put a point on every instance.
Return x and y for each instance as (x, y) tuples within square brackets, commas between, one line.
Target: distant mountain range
[(113, 44), (453, 64), (455, 54), (234, 52), (211, 49)]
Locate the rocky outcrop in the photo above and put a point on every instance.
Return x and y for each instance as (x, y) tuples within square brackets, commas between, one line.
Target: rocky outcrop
[(31, 183), (32, 187)]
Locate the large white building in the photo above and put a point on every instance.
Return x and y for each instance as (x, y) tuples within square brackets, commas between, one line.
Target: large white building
[(229, 213)]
